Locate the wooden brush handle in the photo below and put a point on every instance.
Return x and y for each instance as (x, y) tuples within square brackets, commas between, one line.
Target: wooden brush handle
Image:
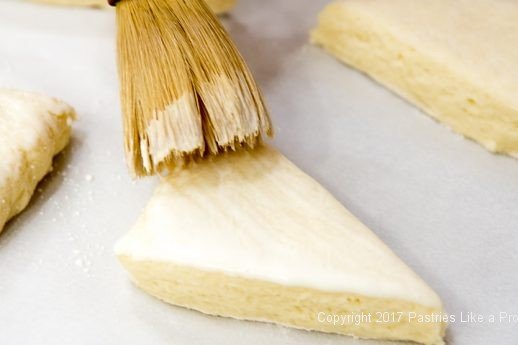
[(113, 2)]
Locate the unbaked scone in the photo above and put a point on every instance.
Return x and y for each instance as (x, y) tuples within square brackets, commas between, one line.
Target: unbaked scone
[(454, 59), (33, 128), (250, 236), (218, 6)]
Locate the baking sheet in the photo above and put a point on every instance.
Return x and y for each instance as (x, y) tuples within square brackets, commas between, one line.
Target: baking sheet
[(442, 203)]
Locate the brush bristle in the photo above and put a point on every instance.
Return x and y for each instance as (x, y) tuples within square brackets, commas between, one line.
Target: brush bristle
[(185, 89)]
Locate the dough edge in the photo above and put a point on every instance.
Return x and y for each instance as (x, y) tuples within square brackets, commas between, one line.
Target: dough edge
[(220, 294)]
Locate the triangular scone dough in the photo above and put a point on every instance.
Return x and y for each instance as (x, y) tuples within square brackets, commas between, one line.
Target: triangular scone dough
[(33, 128), (250, 236), (454, 59), (218, 6)]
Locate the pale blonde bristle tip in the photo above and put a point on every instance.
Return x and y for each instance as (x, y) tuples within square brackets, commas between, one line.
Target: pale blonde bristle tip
[(185, 90)]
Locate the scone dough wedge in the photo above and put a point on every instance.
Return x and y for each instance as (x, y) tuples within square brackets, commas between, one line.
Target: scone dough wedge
[(218, 6), (250, 236), (33, 128), (456, 60)]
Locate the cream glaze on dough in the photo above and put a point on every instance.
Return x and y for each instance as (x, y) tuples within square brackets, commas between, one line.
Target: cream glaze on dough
[(33, 128), (454, 59), (249, 235)]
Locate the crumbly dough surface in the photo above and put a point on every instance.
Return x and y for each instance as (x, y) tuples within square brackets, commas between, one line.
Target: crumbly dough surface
[(218, 6), (454, 59), (33, 128), (250, 236)]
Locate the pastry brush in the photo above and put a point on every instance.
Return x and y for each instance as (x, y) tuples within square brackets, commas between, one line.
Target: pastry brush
[(186, 91)]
